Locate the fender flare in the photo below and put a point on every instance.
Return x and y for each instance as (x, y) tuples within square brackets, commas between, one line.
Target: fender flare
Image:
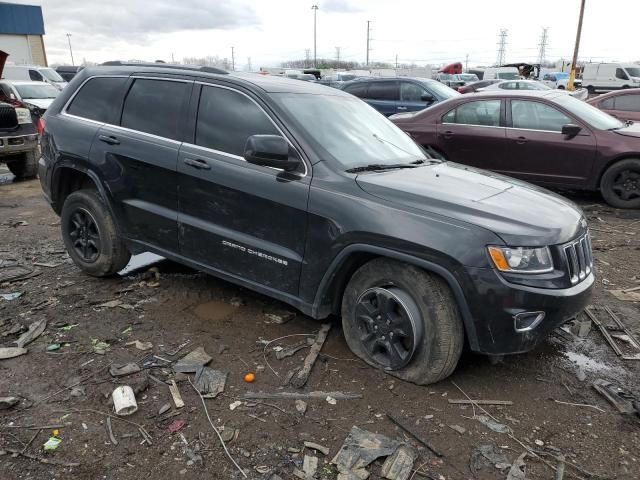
[(427, 265)]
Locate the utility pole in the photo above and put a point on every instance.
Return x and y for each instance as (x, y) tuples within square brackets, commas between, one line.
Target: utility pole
[(466, 63), (70, 50), (315, 56), (396, 61), (368, 40), (542, 53), (172, 59), (307, 57), (502, 47), (337, 54), (249, 63), (233, 59), (574, 62)]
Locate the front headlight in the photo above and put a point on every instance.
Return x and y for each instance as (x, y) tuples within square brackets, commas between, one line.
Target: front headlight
[(521, 259), (24, 115)]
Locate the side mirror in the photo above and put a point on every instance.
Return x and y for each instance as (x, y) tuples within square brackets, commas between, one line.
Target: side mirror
[(570, 130), (269, 151), (426, 97)]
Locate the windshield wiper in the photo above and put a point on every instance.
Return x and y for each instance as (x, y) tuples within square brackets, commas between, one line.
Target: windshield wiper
[(379, 166)]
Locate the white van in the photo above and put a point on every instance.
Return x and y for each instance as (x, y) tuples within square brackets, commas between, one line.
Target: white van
[(34, 73), (501, 73), (610, 76)]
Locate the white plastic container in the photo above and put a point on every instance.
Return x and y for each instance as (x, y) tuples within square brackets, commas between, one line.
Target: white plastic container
[(124, 401)]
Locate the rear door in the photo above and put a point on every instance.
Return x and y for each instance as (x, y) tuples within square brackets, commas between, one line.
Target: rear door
[(473, 134), (384, 96), (538, 152), (245, 220), (140, 157)]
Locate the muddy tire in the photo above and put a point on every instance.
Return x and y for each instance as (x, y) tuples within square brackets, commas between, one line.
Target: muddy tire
[(403, 320), (90, 235), (620, 184), (26, 167)]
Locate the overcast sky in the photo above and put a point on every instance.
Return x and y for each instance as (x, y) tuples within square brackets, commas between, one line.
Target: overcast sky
[(270, 31)]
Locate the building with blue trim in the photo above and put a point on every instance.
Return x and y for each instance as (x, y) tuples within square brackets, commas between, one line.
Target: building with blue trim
[(21, 32)]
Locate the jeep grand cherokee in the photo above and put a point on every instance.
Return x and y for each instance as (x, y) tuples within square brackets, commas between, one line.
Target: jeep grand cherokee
[(308, 195)]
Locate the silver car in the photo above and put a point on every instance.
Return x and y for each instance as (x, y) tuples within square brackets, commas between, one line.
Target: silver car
[(580, 94)]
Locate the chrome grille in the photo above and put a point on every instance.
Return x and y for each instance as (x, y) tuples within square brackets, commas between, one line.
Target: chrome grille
[(579, 258), (8, 117)]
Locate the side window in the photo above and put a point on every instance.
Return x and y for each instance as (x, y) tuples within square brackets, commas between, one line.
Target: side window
[(546, 77), (5, 93), (99, 100), (537, 116), (155, 107), (608, 103), (508, 86), (358, 89), (410, 92), (483, 113), (628, 103), (384, 91), (227, 118), (621, 74), (35, 76)]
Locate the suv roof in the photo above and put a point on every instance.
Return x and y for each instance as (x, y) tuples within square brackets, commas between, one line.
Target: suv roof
[(267, 83), (380, 79)]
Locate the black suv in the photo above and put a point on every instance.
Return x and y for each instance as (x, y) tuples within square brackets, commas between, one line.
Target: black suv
[(308, 195)]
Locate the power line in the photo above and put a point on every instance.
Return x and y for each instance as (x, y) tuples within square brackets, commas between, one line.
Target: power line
[(543, 46), (502, 47)]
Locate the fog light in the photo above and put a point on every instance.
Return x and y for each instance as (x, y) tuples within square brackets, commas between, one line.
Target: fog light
[(527, 321)]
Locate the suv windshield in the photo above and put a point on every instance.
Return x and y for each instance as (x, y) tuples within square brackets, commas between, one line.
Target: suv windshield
[(441, 90), (37, 91), (633, 71), (507, 75), (349, 130), (51, 75), (594, 117)]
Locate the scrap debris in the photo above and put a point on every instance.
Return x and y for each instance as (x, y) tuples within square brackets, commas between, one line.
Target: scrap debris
[(192, 362), (210, 383), (360, 449), (621, 399), (34, 331), (299, 378), (175, 394), (11, 352), (8, 402), (464, 401), (301, 395), (399, 465), (632, 340)]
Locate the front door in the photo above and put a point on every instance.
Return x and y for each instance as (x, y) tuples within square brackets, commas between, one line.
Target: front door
[(413, 97), (384, 96), (138, 160), (241, 219), (472, 133), (537, 150)]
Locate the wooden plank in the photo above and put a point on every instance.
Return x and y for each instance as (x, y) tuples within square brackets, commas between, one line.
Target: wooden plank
[(301, 376), (175, 394), (464, 401)]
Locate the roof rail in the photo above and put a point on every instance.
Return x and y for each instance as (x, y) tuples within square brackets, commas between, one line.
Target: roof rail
[(198, 68)]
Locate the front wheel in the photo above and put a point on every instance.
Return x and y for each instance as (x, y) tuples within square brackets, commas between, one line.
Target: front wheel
[(620, 185), (90, 235), (591, 90), (561, 87), (403, 320)]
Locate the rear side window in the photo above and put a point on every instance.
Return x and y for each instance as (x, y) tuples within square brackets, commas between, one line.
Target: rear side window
[(227, 118), (628, 103), (155, 107), (357, 89), (384, 91), (99, 99)]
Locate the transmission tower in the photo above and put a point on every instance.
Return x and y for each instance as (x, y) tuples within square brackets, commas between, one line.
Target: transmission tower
[(502, 46), (543, 46)]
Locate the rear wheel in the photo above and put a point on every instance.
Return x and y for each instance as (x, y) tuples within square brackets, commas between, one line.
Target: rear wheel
[(26, 166), (591, 89), (403, 320), (90, 236), (561, 87), (620, 185)]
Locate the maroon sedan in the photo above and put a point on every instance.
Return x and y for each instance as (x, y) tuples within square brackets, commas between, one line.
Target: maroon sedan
[(622, 104), (548, 138)]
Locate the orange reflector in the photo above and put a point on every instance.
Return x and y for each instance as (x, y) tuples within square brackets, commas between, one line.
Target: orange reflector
[(498, 259)]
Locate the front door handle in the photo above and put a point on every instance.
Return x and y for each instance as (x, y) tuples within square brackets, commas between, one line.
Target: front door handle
[(521, 140), (402, 108), (110, 139), (197, 163)]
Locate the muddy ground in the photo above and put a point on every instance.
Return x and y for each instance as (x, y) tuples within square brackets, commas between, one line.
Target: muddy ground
[(71, 386)]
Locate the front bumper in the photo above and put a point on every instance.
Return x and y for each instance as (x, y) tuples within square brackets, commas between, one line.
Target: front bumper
[(15, 144), (494, 303)]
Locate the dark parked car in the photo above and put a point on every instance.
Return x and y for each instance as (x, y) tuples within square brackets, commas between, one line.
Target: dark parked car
[(475, 86), (622, 104), (68, 71), (392, 95), (548, 138), (308, 195)]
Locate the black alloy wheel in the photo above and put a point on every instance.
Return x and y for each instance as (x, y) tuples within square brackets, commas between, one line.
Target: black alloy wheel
[(85, 235), (626, 185), (389, 326)]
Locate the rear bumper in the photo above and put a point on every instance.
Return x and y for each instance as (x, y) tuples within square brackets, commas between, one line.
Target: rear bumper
[(494, 305), (15, 144)]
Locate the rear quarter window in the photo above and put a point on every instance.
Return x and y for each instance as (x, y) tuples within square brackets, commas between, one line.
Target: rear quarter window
[(99, 99)]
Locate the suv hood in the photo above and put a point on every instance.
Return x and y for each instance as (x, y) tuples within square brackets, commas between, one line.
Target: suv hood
[(632, 130), (520, 213)]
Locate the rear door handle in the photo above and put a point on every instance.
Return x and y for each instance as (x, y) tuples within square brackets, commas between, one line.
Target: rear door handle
[(197, 163), (447, 134), (110, 139), (402, 108), (521, 140)]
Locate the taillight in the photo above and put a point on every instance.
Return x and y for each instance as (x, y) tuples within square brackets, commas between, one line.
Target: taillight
[(41, 124)]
